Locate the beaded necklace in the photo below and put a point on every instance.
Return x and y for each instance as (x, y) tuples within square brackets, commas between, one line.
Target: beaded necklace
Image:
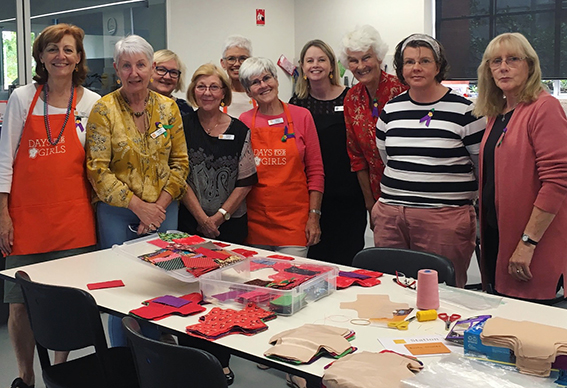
[(136, 114), (46, 115)]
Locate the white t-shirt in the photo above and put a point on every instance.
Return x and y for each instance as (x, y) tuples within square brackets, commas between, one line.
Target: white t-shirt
[(240, 104), (15, 119)]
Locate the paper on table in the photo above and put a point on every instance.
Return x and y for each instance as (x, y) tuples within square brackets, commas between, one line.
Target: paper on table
[(413, 346)]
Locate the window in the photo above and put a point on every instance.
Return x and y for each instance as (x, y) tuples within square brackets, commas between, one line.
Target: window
[(465, 27)]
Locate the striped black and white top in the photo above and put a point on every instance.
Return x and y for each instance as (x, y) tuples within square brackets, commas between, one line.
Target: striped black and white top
[(429, 166)]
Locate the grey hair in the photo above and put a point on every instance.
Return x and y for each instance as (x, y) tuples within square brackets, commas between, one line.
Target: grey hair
[(362, 39), (253, 67), (237, 41), (133, 44)]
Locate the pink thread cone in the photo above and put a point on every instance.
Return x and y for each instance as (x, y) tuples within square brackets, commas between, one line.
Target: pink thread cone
[(427, 290)]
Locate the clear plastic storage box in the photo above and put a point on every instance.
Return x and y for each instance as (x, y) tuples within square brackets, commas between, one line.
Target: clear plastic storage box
[(282, 286)]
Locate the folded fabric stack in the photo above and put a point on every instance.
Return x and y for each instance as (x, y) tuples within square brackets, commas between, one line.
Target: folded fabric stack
[(167, 305), (370, 370), (362, 277), (535, 345), (307, 343), (191, 253), (220, 322)]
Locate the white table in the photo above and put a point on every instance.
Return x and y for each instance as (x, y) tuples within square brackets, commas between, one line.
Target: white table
[(143, 282)]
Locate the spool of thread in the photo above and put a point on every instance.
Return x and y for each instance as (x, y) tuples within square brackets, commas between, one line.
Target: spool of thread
[(427, 290), (426, 315)]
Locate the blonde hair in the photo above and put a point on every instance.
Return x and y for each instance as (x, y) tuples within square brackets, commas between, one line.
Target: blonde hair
[(490, 101), (206, 70), (165, 55), (302, 85)]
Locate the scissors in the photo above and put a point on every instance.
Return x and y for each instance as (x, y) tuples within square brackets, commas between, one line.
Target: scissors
[(448, 319), (401, 325)]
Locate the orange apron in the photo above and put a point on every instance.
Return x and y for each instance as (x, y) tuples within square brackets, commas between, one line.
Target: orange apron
[(278, 205), (50, 198)]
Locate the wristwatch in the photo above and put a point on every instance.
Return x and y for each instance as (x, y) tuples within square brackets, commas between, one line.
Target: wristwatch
[(528, 240), (225, 214)]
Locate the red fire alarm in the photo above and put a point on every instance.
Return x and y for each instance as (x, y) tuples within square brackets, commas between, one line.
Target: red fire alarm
[(260, 17)]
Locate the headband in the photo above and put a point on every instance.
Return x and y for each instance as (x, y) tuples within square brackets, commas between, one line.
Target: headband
[(423, 38)]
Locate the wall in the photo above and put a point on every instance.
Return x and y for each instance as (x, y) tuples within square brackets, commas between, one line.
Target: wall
[(197, 30)]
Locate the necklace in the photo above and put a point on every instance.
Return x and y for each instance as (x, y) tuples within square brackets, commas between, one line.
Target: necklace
[(136, 114), (46, 115)]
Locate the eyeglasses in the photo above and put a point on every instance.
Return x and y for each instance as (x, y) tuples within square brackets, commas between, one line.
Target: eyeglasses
[(232, 60), (424, 62), (214, 88), (404, 281), (511, 62), (258, 81), (173, 73)]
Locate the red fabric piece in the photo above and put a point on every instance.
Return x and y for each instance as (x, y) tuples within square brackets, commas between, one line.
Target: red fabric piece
[(109, 284), (221, 244), (254, 296), (281, 266), (345, 282), (222, 322), (159, 243), (212, 254), (191, 240), (157, 311), (281, 257), (245, 252)]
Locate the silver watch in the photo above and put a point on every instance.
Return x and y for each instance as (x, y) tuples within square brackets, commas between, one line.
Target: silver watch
[(225, 214)]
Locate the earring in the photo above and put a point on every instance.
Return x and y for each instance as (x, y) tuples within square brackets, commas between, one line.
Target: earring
[(76, 67), (222, 103), (151, 80), (305, 77), (118, 81), (330, 76), (43, 66)]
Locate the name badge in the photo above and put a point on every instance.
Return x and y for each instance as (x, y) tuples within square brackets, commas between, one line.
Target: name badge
[(275, 121), (226, 137), (157, 132), (339, 108)]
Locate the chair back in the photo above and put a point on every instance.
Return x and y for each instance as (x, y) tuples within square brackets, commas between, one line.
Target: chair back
[(164, 365), (62, 318), (390, 260)]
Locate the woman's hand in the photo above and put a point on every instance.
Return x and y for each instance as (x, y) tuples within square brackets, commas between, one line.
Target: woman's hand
[(519, 263), (312, 229), (6, 232), (210, 225), (150, 214)]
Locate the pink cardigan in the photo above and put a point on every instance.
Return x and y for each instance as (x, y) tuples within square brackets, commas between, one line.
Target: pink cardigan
[(531, 170)]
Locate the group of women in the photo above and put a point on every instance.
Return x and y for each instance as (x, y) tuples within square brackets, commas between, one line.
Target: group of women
[(407, 149)]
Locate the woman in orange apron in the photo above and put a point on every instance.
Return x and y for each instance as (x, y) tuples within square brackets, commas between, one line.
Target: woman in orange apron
[(45, 210), (285, 205)]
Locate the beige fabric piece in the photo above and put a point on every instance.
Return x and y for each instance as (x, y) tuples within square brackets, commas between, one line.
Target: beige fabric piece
[(374, 306), (370, 370), (306, 341), (535, 345)]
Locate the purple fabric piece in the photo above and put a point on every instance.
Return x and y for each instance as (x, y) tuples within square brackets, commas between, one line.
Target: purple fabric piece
[(170, 300), (353, 275), (227, 295)]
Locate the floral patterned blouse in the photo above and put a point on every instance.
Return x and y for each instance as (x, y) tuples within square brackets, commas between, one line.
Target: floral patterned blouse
[(122, 162), (361, 126)]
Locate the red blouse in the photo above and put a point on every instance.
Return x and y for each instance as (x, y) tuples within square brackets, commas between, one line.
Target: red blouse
[(361, 126)]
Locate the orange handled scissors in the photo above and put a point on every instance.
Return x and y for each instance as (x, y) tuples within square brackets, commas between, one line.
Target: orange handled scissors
[(448, 319)]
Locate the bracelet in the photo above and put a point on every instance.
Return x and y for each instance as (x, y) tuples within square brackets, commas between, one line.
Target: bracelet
[(316, 211)]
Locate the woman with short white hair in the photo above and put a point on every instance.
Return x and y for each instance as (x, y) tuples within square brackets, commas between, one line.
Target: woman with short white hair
[(363, 51), (285, 205), (136, 156), (236, 50)]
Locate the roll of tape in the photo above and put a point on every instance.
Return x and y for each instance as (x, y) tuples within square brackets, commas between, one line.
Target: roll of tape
[(426, 315)]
